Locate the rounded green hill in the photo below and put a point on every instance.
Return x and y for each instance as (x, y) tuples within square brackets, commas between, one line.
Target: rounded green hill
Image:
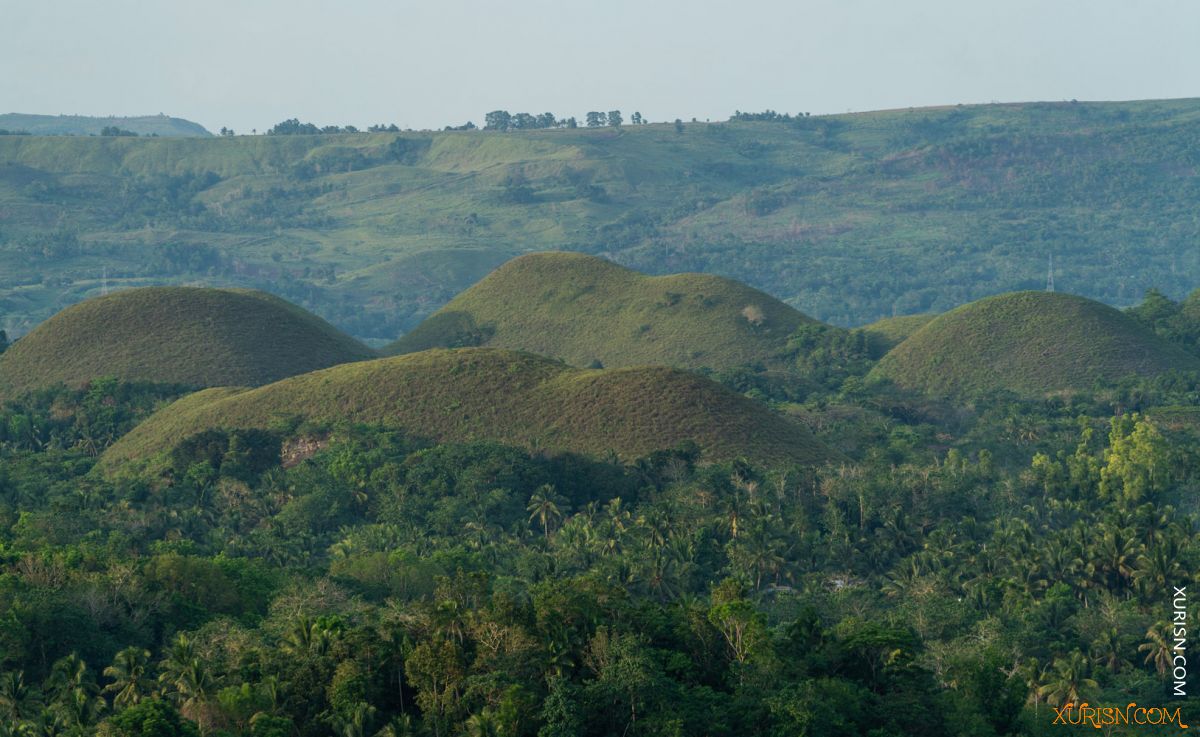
[(489, 394), (588, 311), (176, 335), (1030, 343)]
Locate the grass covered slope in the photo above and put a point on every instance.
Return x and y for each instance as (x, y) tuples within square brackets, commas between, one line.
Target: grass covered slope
[(584, 309), (884, 335), (1030, 343), (178, 335), (505, 396)]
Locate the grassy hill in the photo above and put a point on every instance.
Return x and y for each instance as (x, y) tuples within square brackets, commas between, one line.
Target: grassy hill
[(848, 218), (178, 335), (1030, 343), (85, 125), (884, 335), (583, 310), (490, 394)]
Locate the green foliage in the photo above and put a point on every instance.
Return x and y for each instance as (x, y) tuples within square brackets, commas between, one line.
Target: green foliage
[(381, 583), (1177, 322), (152, 718)]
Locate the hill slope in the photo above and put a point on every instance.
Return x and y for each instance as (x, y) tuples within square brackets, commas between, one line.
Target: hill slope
[(489, 394), (848, 218), (178, 335), (583, 309), (86, 125), (1030, 343), (884, 335)]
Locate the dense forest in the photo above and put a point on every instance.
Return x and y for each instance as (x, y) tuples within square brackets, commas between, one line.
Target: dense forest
[(968, 569), (849, 218)]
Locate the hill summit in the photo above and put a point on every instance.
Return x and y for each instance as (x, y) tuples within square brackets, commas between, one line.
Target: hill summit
[(589, 311), (480, 394), (87, 125), (176, 335), (1030, 343)]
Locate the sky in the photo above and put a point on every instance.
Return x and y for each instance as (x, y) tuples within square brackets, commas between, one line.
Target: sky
[(248, 64)]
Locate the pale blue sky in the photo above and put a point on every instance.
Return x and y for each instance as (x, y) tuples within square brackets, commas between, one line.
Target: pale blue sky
[(251, 63)]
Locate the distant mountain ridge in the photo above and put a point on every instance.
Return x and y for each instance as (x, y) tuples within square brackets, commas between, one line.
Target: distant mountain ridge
[(847, 218), (160, 125)]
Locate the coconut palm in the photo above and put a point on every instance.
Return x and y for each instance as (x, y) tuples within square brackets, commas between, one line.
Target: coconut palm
[(543, 507), (129, 671), (1066, 679), (187, 681), (17, 700), (359, 722), (1158, 647)]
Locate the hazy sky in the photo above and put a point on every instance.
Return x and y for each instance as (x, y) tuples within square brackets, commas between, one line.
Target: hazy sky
[(251, 63)]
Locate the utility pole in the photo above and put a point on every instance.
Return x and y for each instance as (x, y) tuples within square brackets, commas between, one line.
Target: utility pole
[(1050, 275)]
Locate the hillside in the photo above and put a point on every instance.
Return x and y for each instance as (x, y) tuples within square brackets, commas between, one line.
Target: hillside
[(176, 335), (1030, 343), (84, 125), (884, 335), (848, 218), (585, 310), (488, 394)]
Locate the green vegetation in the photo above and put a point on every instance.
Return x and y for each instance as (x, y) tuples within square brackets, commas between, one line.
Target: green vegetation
[(963, 578), (500, 396), (848, 218), (82, 125), (176, 335), (588, 311), (1031, 343)]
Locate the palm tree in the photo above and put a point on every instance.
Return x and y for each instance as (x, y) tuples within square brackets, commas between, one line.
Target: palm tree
[(17, 700), (357, 723), (130, 680), (188, 681), (1107, 650), (1116, 553), (1034, 676), (482, 725), (400, 726), (1158, 647), (1066, 679), (542, 507), (1159, 565), (67, 674)]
